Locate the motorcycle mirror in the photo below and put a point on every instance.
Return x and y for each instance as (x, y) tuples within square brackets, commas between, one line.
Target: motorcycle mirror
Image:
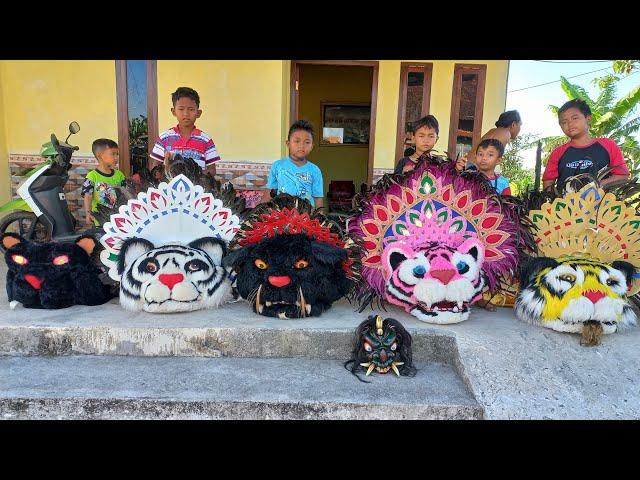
[(73, 128)]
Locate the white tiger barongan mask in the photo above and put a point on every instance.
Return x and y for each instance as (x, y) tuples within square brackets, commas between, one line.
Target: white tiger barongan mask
[(173, 277)]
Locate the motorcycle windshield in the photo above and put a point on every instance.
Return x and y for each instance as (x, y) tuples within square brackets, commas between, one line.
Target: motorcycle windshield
[(48, 150)]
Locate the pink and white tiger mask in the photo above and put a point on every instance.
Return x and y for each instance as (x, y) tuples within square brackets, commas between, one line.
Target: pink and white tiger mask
[(435, 281)]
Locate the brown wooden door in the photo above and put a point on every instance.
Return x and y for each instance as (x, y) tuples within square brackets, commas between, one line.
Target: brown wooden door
[(136, 97)]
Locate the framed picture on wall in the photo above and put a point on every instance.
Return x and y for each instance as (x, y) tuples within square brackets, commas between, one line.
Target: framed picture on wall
[(345, 123), (333, 135)]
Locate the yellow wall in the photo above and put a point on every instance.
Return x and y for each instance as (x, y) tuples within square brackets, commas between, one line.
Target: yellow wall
[(38, 98), (43, 97), (245, 103), (440, 106), (340, 84), (242, 103)]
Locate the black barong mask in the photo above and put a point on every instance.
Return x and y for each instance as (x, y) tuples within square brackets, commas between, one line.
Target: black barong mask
[(291, 261), (382, 346), (53, 275)]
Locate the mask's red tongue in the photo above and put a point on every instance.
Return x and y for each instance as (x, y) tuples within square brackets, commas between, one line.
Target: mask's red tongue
[(35, 282)]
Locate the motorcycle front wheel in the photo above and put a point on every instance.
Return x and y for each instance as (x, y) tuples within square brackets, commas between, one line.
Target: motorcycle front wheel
[(25, 224)]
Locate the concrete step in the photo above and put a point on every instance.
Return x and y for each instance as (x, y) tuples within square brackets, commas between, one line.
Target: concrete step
[(118, 387), (233, 330)]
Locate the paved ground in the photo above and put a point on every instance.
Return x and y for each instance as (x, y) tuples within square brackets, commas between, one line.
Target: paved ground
[(87, 387), (512, 369)]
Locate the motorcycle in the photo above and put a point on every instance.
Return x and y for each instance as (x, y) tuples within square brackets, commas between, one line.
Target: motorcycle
[(42, 213)]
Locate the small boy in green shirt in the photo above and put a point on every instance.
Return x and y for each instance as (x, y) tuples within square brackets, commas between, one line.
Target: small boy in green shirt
[(98, 189)]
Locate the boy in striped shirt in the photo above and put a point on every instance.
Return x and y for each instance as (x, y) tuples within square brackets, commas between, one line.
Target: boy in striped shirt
[(185, 138)]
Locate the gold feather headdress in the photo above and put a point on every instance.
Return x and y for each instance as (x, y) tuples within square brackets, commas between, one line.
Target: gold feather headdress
[(589, 224)]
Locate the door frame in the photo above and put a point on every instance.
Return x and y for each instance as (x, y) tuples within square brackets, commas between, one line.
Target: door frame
[(295, 96), (405, 69), (479, 69), (123, 111)]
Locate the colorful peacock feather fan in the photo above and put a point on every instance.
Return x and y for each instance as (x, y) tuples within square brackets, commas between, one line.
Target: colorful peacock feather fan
[(591, 223), (464, 202), (177, 211), (164, 173), (587, 253), (391, 178)]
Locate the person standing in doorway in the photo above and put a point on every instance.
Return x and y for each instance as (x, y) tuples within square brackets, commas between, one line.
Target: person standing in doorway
[(295, 174)]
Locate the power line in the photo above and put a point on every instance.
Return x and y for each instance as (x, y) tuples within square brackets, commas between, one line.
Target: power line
[(574, 61), (629, 75), (556, 81)]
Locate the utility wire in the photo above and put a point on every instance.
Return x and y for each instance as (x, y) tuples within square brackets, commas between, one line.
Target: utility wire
[(556, 81), (574, 61)]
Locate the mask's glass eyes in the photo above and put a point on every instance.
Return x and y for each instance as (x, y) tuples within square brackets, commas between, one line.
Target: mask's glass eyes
[(195, 266), (367, 347), (462, 267), (394, 346), (61, 260), (419, 271), (19, 259), (151, 267), (611, 281), (567, 277), (301, 264), (261, 264)]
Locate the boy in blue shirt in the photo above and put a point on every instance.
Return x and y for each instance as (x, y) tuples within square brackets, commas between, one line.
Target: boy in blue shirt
[(489, 155), (295, 174)]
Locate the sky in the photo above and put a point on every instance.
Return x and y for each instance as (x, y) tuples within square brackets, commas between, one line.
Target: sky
[(533, 103)]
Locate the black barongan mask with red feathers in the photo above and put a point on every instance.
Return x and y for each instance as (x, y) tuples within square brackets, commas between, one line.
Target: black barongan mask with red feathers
[(291, 261)]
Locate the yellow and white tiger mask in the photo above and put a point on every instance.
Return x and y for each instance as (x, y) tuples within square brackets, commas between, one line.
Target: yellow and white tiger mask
[(174, 277), (575, 295)]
